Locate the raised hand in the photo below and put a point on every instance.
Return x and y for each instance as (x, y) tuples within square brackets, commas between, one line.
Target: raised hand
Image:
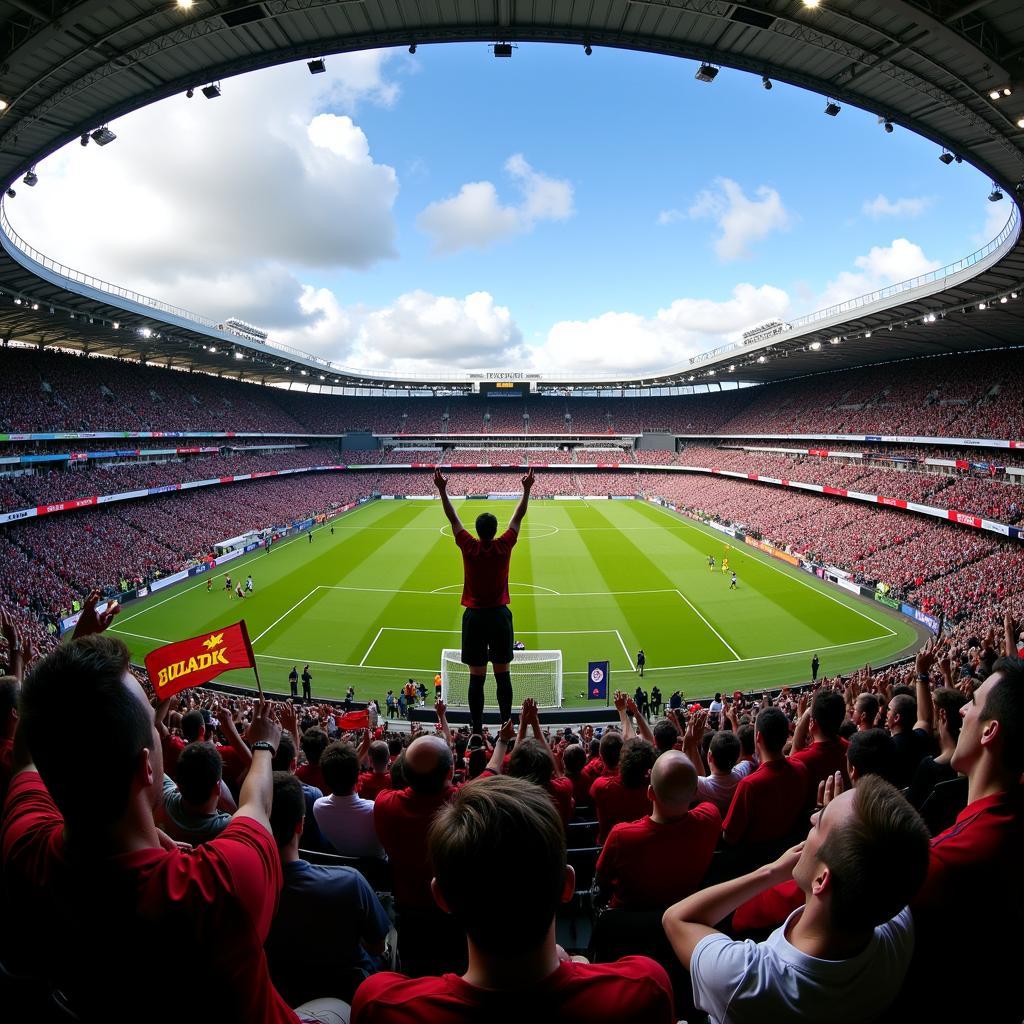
[(528, 480), (829, 789), (619, 700), (440, 481), (925, 658), (91, 621), (263, 727), (507, 731), (440, 707)]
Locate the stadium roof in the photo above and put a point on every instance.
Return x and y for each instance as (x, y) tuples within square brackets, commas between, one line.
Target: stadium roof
[(951, 71)]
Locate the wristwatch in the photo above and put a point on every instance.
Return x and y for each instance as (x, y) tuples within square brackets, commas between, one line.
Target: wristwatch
[(264, 745)]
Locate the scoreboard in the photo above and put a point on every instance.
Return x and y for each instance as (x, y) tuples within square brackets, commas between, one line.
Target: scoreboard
[(497, 388)]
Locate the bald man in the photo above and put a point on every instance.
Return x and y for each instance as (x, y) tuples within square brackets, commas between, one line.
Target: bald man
[(650, 863), (402, 818)]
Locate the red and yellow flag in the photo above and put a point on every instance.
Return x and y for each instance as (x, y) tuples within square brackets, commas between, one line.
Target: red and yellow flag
[(192, 662)]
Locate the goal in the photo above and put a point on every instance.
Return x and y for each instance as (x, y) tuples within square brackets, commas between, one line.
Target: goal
[(536, 674)]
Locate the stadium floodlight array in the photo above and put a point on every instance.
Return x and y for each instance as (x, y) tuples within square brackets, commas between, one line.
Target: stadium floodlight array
[(536, 674)]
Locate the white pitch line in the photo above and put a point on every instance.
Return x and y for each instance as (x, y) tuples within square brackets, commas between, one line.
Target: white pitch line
[(694, 608), (370, 648), (625, 650), (256, 639), (768, 564), (442, 592), (533, 586), (140, 636), (524, 632), (244, 560)]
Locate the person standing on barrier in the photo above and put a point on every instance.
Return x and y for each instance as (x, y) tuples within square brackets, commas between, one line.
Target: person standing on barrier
[(487, 633)]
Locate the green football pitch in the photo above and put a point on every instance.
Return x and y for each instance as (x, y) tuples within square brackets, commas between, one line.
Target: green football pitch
[(377, 601)]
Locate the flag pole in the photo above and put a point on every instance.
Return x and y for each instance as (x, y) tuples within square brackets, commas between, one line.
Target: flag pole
[(252, 658)]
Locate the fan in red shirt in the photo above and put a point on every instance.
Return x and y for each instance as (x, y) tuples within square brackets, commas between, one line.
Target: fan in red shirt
[(81, 846), (504, 832), (977, 859), (624, 797), (663, 857), (770, 801), (373, 783), (826, 754), (402, 818), (487, 634)]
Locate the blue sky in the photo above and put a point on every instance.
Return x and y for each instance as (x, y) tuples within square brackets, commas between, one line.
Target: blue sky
[(451, 209)]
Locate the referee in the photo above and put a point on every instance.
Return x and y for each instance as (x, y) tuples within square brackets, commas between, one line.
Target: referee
[(487, 634)]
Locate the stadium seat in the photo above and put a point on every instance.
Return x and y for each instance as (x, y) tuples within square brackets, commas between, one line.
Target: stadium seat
[(584, 861), (581, 834)]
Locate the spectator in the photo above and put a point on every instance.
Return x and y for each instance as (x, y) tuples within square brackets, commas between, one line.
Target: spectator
[(980, 854), (329, 924), (314, 742), (663, 857), (284, 761), (345, 819), (504, 831), (871, 752), (217, 902), (842, 956), (624, 796), (402, 818), (725, 769), (826, 753), (768, 802), (532, 760), (865, 712), (911, 736), (574, 762), (189, 813), (372, 783)]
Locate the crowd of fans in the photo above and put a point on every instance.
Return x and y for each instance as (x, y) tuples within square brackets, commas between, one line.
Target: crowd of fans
[(785, 856), (966, 395)]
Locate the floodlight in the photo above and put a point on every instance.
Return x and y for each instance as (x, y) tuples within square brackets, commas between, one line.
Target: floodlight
[(588, 49), (1020, 121), (815, 345), (867, 334), (994, 94), (995, 195), (766, 82), (11, 193), (706, 73), (502, 49), (3, 105), (832, 108), (211, 91), (888, 127), (103, 136), (116, 326), (145, 332), (31, 179), (412, 47), (762, 359), (317, 66), (184, 4), (946, 158), (189, 93), (84, 140), (981, 305), (810, 3), (1003, 299)]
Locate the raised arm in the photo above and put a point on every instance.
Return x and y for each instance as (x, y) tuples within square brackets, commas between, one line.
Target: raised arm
[(803, 724), (441, 483), (925, 705), (628, 731), (642, 725), (223, 713), (442, 720), (692, 736), (500, 746), (520, 513), (257, 794)]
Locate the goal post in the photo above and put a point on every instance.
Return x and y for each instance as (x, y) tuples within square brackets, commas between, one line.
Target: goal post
[(536, 674)]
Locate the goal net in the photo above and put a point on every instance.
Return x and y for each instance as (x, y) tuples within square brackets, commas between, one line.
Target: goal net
[(536, 674)]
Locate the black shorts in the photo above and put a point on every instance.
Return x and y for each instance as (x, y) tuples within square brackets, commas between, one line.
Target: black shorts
[(487, 636)]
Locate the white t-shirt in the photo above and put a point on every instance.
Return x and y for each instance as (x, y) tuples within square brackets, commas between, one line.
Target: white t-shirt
[(719, 789), (773, 981), (346, 822)]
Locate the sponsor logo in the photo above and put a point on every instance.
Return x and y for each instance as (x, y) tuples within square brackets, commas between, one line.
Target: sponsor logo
[(597, 676), (11, 516)]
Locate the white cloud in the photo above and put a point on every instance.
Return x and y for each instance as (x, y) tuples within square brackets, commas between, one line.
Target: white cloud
[(476, 218), (666, 217), (742, 221), (995, 218), (634, 343), (882, 206), (204, 205), (417, 333), (882, 266)]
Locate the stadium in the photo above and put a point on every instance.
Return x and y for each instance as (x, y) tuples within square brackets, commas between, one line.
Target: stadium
[(749, 743)]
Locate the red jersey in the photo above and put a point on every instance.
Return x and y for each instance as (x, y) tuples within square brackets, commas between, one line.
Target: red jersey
[(485, 563), (615, 803), (768, 909), (633, 990), (402, 818), (979, 855), (311, 775), (560, 790), (820, 760), (217, 901), (766, 803), (372, 784), (581, 788), (648, 865)]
